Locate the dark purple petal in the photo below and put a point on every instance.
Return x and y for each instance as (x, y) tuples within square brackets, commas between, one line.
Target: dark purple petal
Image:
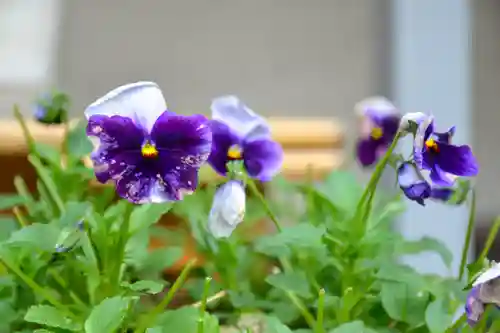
[(119, 145), (418, 192), (222, 139), (389, 127), (115, 132), (263, 159), (366, 151), (442, 194), (457, 160), (474, 308), (187, 138)]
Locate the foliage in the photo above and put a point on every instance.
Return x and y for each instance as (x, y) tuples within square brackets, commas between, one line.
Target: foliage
[(333, 268)]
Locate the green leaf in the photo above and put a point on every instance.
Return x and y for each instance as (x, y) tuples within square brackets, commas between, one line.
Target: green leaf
[(48, 153), (426, 244), (7, 226), (290, 281), (148, 214), (300, 236), (146, 286), (7, 316), (404, 302), (356, 326), (78, 142), (42, 330), (275, 326), (38, 235), (185, 320), (8, 201), (160, 259), (437, 317), (108, 315), (342, 188), (74, 212), (50, 316)]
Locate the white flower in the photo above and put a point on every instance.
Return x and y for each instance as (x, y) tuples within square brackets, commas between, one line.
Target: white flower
[(228, 209), (405, 125)]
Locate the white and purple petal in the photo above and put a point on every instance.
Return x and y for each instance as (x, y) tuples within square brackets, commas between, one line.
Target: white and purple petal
[(263, 158), (425, 128), (412, 183), (228, 209), (474, 308), (143, 102), (376, 107), (244, 123)]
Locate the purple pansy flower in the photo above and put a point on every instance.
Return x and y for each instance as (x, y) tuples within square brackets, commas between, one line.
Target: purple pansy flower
[(150, 153), (380, 121), (228, 209), (417, 188), (434, 151), (239, 134), (485, 290)]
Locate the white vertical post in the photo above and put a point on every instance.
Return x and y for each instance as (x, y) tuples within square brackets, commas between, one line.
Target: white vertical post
[(431, 49)]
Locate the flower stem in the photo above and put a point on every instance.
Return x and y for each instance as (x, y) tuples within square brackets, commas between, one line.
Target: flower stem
[(203, 306), (265, 205), (321, 308), (489, 241), (372, 184), (459, 322), (121, 245), (27, 135), (309, 318), (468, 236), (151, 317)]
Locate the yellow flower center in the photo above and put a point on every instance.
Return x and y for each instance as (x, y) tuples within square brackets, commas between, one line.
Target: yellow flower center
[(432, 145), (376, 133), (148, 150), (235, 153)]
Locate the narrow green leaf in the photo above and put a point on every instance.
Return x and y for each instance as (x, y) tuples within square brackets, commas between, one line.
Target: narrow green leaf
[(78, 142), (426, 244), (50, 316), (48, 153), (146, 286)]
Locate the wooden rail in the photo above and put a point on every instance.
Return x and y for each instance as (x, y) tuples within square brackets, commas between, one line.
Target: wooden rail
[(314, 144)]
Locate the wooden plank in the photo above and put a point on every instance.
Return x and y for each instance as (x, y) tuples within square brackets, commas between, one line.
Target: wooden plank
[(291, 133)]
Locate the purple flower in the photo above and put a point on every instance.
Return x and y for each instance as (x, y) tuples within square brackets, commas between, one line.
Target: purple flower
[(485, 290), (239, 134), (151, 154), (380, 121), (417, 188), (434, 151)]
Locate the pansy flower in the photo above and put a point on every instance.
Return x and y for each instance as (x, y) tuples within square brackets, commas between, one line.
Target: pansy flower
[(415, 187), (239, 134), (150, 153), (434, 151), (380, 121), (52, 108), (228, 209), (485, 290)]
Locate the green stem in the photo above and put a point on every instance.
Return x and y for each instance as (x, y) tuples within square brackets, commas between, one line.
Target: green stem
[(489, 241), (265, 205), (151, 317), (457, 324), (123, 237), (48, 182), (203, 306), (372, 184), (36, 287), (320, 314), (27, 135), (302, 308), (468, 236)]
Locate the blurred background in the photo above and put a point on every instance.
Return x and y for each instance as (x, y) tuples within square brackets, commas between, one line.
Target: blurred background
[(286, 58)]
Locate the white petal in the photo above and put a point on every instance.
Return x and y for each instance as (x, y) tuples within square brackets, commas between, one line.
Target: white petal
[(382, 105), (416, 117), (228, 209), (141, 101), (231, 111), (488, 275)]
